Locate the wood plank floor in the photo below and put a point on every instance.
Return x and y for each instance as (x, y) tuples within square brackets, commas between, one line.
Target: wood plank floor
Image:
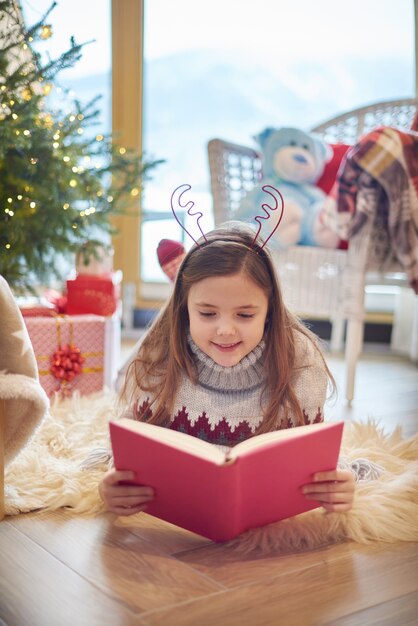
[(59, 570)]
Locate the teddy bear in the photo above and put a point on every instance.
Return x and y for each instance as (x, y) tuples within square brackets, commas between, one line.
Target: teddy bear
[(293, 160)]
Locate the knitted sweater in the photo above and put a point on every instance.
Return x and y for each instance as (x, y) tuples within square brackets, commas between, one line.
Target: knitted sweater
[(225, 406)]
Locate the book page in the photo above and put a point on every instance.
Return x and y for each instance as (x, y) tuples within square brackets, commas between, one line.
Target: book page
[(175, 439), (264, 439)]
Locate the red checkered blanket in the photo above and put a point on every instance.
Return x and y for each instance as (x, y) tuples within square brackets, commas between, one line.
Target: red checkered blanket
[(385, 160)]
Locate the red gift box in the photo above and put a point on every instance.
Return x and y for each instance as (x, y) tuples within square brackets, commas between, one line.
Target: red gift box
[(75, 353), (92, 294)]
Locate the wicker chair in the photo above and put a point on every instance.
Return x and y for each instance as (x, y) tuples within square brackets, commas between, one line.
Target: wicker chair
[(318, 282)]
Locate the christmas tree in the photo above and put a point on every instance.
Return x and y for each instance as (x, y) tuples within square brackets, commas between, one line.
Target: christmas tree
[(59, 181)]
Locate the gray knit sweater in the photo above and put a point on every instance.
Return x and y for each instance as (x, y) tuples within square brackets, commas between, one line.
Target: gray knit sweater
[(225, 406)]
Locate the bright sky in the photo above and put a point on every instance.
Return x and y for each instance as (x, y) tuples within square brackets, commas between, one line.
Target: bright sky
[(301, 29), (321, 25), (83, 19)]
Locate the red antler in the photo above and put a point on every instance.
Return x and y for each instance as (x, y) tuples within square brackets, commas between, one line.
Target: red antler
[(276, 195), (189, 206)]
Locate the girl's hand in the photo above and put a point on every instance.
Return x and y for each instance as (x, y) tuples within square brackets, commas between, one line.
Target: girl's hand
[(334, 490), (123, 499)]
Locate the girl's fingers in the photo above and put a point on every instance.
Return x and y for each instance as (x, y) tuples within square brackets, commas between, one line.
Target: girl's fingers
[(338, 475), (128, 490), (334, 490), (337, 508), (115, 476), (336, 480), (128, 504), (338, 497), (337, 487), (123, 498), (129, 500), (125, 510)]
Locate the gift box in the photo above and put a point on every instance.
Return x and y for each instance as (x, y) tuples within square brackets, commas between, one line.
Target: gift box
[(88, 293), (49, 304), (80, 352)]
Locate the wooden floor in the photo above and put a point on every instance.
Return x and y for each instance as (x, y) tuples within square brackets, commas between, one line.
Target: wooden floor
[(59, 570)]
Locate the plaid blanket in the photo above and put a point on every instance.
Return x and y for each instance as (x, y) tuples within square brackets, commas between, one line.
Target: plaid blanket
[(383, 162)]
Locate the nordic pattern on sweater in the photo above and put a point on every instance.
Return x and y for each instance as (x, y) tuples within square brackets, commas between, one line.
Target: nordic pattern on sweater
[(225, 406)]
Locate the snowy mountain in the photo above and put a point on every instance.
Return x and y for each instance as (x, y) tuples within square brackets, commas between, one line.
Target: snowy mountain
[(192, 97)]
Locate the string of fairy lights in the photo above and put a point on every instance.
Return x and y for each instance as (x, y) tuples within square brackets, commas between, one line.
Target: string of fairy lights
[(9, 107)]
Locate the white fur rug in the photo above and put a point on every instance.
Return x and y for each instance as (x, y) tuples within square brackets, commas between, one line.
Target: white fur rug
[(48, 474)]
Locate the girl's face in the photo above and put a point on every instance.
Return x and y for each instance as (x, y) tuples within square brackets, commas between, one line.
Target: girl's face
[(227, 316)]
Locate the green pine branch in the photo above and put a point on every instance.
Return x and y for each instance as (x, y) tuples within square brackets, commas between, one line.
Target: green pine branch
[(59, 183)]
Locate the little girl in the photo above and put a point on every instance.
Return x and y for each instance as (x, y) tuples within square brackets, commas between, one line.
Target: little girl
[(226, 360)]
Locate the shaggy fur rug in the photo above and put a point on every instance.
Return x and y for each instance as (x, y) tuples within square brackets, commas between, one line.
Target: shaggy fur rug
[(51, 472)]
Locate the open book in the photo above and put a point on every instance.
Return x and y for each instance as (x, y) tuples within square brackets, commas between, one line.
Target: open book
[(220, 495)]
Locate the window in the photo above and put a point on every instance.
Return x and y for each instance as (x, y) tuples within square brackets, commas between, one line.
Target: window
[(229, 69), (91, 75)]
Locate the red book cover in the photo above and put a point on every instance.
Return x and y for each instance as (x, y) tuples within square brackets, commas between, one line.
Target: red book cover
[(220, 495)]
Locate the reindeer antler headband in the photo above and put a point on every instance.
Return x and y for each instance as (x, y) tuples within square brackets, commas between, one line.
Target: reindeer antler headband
[(275, 212)]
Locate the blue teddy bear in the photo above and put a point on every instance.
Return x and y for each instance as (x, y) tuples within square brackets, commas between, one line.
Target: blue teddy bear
[(293, 160)]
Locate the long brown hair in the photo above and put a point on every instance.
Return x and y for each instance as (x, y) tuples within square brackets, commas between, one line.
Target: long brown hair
[(164, 354)]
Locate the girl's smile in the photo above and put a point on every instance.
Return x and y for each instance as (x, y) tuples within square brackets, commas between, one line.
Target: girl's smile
[(226, 347), (227, 316)]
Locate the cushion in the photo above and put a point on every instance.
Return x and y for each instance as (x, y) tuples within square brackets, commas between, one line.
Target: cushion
[(26, 401), (329, 175)]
